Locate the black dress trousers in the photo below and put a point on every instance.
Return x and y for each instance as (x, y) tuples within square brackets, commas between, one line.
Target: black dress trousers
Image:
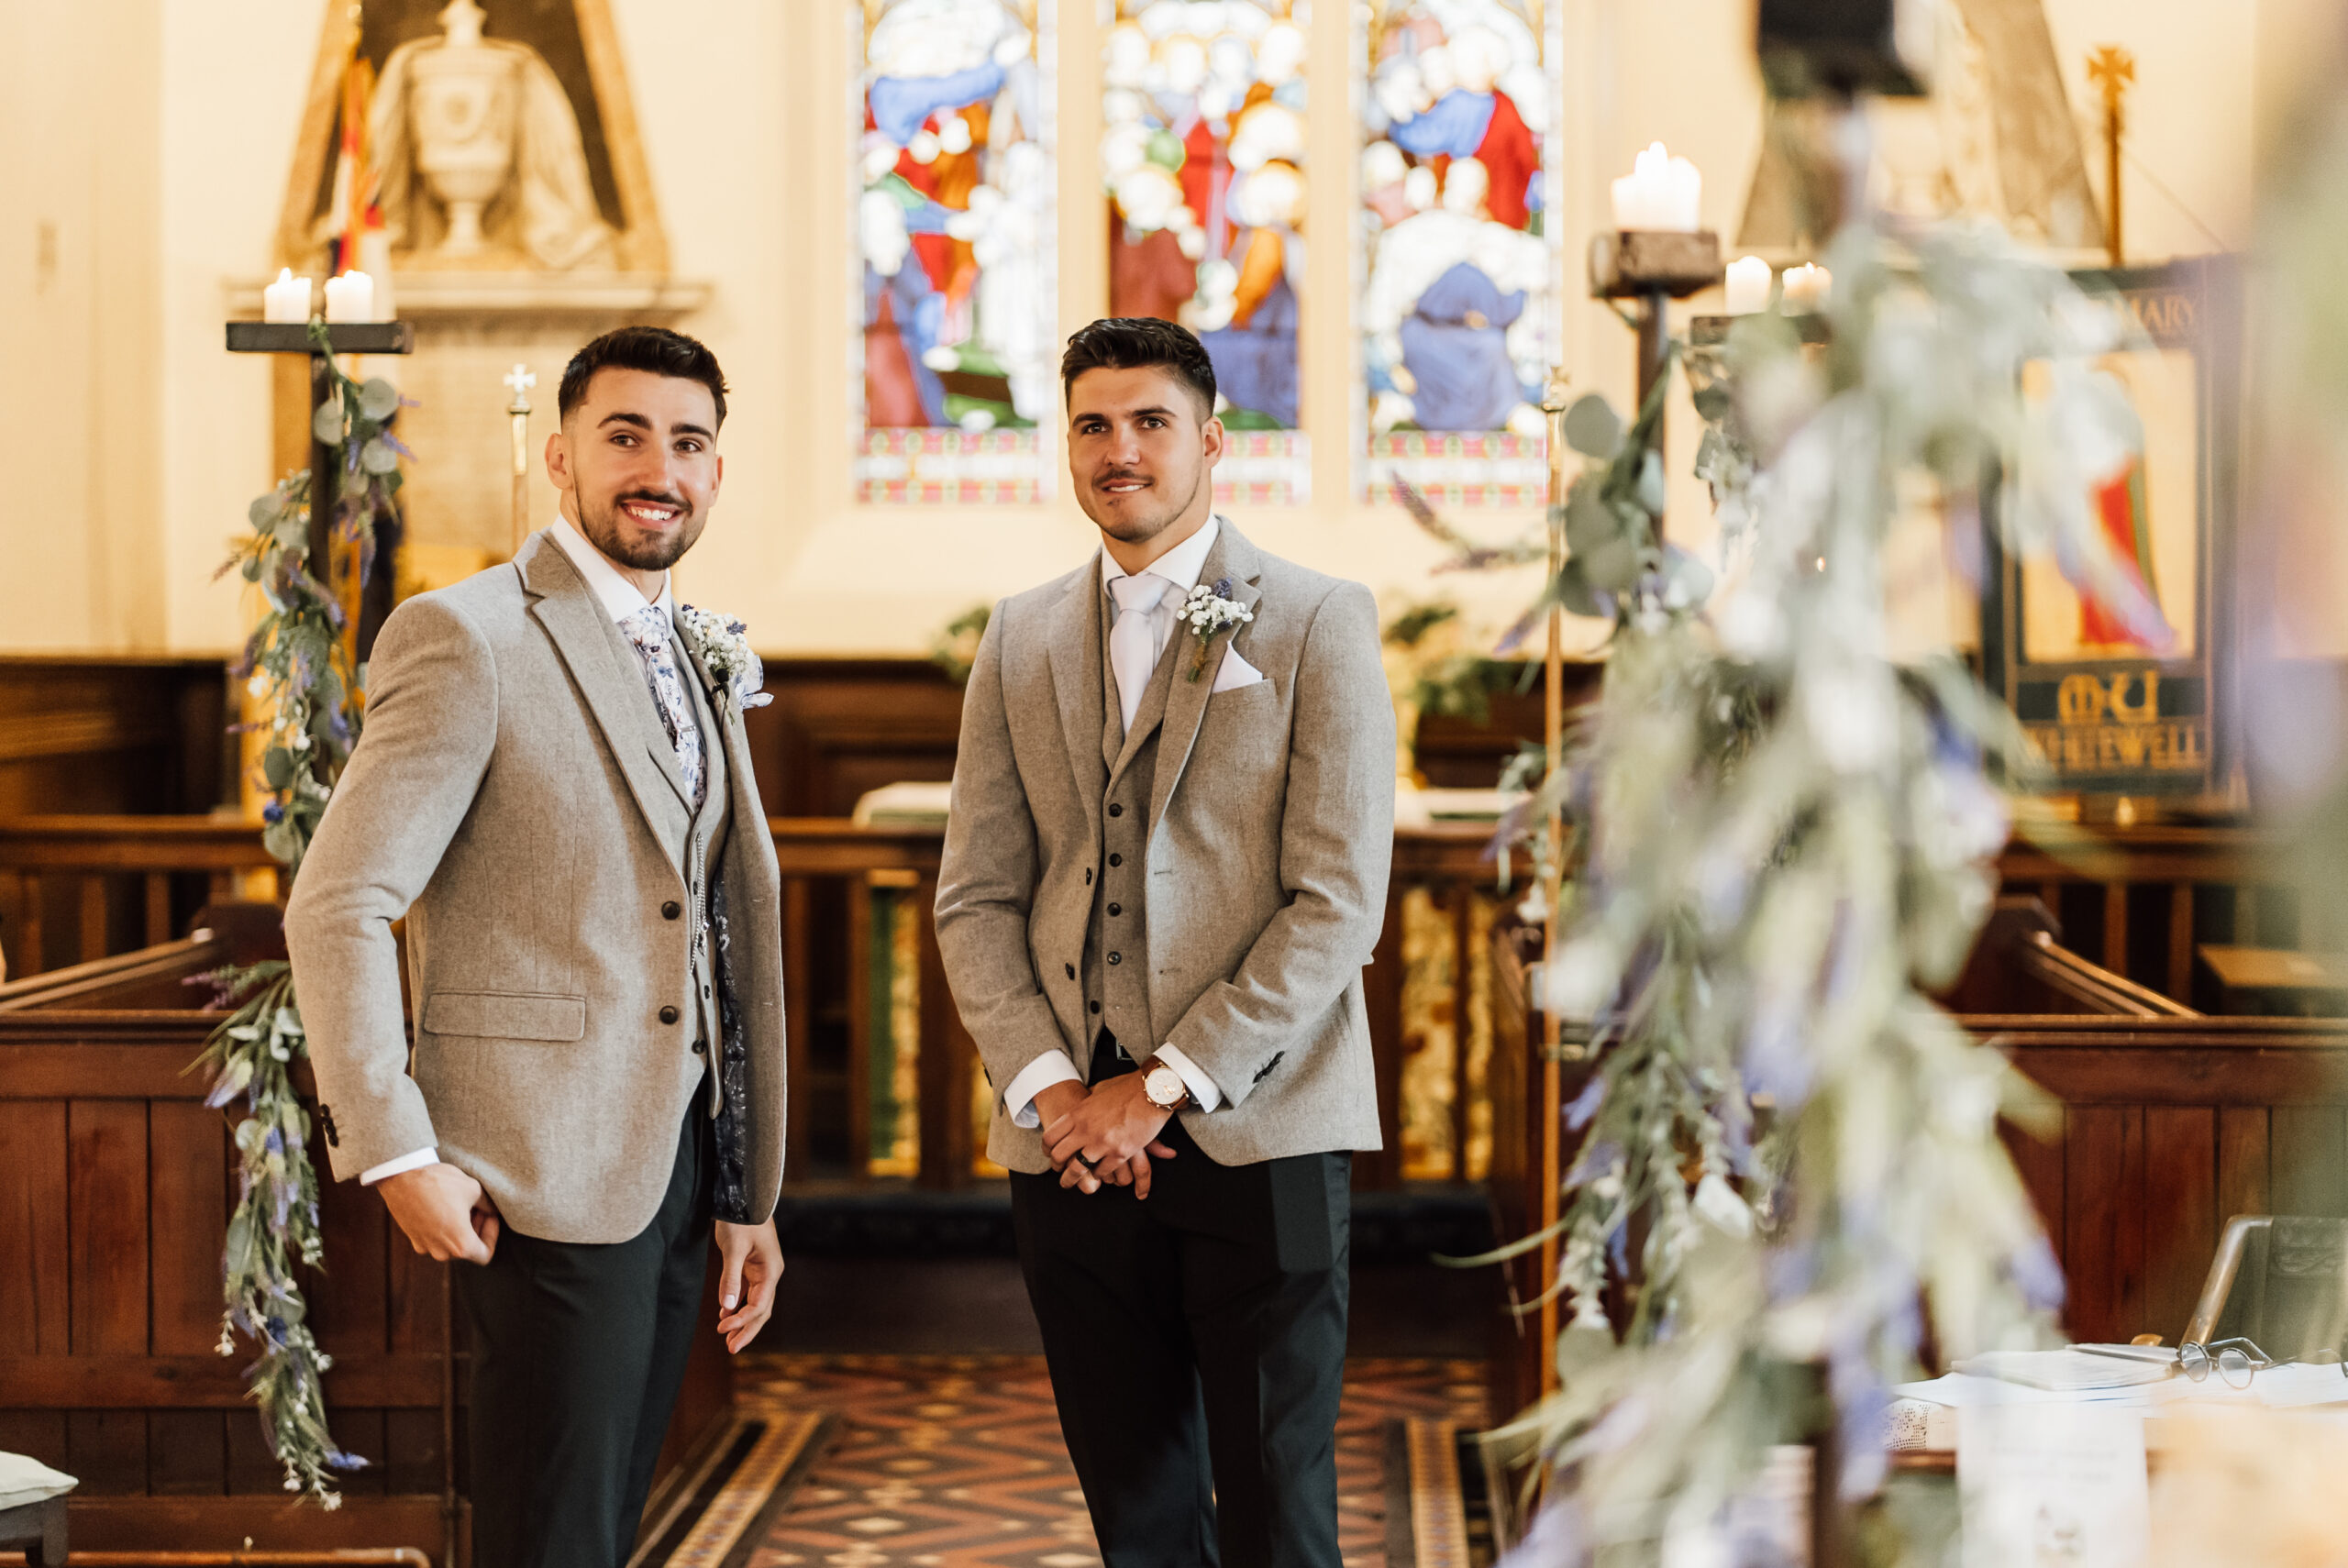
[(579, 1352), (1197, 1347)]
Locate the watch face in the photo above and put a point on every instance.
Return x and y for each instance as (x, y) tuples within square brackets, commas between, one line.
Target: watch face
[(1164, 1087)]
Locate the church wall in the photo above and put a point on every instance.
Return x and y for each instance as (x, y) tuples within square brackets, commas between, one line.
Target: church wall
[(80, 326), (744, 110)]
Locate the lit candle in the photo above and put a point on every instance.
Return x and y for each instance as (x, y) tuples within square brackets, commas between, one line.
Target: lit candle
[(286, 300), (350, 297), (1806, 288), (1748, 285), (1659, 193)]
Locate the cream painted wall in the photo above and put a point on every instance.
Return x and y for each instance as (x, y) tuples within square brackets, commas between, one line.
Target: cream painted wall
[(156, 135), (80, 296)]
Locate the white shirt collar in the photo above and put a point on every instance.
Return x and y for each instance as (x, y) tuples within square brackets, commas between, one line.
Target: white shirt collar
[(620, 597), (1179, 566)]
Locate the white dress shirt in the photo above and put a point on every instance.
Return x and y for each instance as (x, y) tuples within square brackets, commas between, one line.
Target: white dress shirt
[(620, 598), (1179, 566)]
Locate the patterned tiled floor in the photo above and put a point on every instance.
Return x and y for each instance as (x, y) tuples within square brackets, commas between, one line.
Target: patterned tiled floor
[(955, 1462)]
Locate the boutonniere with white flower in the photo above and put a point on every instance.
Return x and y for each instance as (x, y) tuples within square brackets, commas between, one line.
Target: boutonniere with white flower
[(717, 641), (1208, 612)]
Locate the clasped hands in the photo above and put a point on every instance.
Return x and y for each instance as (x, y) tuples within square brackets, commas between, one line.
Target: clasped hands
[(1103, 1136)]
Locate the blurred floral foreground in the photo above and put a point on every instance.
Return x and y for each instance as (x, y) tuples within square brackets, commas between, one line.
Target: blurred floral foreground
[(1778, 844)]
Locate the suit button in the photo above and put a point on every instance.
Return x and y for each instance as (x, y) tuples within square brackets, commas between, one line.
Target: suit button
[(1117, 860), (1115, 809), (667, 1015), (1116, 909), (1117, 957), (671, 910), (1096, 1007), (701, 1047)]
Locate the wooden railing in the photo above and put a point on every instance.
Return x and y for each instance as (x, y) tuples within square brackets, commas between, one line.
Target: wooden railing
[(903, 1084)]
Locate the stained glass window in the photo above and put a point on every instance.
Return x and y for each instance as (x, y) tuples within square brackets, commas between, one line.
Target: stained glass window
[(1203, 142), (956, 245), (1458, 264)]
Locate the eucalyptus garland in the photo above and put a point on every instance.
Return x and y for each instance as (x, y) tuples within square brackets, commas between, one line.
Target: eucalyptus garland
[(1783, 844), (301, 670)]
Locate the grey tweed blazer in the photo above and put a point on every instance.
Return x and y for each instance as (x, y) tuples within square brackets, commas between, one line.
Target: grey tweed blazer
[(515, 797), (1271, 831)]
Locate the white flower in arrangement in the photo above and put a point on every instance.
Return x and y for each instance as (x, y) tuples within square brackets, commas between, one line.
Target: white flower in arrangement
[(1208, 612), (717, 641)]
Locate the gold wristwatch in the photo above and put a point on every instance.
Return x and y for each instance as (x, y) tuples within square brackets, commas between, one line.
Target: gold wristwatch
[(1163, 1086)]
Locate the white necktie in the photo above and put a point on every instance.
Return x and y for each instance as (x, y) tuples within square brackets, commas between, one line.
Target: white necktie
[(1133, 640)]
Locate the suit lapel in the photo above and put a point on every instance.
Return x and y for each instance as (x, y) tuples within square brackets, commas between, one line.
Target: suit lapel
[(723, 720), (1072, 652), (1186, 700), (583, 636)]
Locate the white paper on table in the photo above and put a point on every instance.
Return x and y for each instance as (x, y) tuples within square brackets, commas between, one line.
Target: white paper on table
[(2043, 1482), (2284, 1388), (2065, 1370), (1965, 1392)]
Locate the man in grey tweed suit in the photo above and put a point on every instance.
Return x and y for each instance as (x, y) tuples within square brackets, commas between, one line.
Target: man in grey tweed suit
[(554, 789), (1165, 867)]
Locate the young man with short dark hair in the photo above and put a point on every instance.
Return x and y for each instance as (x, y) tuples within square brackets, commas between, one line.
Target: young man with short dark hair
[(553, 788), (1165, 866)]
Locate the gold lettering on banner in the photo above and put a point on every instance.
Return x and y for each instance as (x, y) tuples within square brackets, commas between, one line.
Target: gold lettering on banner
[(2168, 318), (2170, 746)]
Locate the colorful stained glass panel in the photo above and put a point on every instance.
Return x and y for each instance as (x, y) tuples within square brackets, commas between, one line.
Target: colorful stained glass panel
[(1203, 144), (1458, 262), (955, 249)]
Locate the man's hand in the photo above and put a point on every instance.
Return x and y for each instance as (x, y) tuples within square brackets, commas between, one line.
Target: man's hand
[(1111, 1135), (1056, 1100), (753, 1260), (445, 1214)]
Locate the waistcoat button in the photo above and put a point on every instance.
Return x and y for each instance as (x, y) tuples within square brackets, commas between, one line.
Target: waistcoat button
[(1096, 1007), (1117, 860), (1117, 957), (1115, 809), (1116, 909), (701, 1047), (667, 1015), (671, 910)]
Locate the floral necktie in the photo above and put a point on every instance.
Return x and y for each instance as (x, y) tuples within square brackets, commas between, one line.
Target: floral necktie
[(649, 629)]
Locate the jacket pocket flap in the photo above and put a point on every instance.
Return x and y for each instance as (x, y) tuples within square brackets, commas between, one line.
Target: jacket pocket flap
[(505, 1015)]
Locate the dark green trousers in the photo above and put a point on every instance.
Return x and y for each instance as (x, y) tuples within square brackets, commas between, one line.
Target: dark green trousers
[(578, 1354)]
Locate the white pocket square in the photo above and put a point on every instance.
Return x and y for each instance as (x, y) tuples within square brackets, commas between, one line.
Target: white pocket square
[(1236, 673)]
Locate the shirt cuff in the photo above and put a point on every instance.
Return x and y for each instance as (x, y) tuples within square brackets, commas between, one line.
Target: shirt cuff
[(401, 1166), (1203, 1089), (1051, 1067)]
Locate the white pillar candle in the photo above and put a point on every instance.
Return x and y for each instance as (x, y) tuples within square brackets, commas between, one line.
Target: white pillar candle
[(1748, 286), (286, 300), (1806, 288), (350, 297), (1659, 193)]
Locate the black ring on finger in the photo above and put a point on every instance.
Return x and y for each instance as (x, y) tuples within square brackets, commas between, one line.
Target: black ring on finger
[(1088, 1164)]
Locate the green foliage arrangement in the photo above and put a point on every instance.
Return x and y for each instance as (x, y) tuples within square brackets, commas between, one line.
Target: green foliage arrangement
[(1781, 844), (302, 673), (954, 647)]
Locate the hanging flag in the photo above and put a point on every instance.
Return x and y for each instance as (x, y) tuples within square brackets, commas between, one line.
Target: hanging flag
[(354, 174)]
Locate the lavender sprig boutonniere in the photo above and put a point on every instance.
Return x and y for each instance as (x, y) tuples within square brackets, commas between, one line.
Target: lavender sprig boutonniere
[(1208, 612), (719, 643)]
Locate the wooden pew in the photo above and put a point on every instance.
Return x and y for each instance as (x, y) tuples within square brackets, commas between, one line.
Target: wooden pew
[(116, 1185), (2169, 1122)]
